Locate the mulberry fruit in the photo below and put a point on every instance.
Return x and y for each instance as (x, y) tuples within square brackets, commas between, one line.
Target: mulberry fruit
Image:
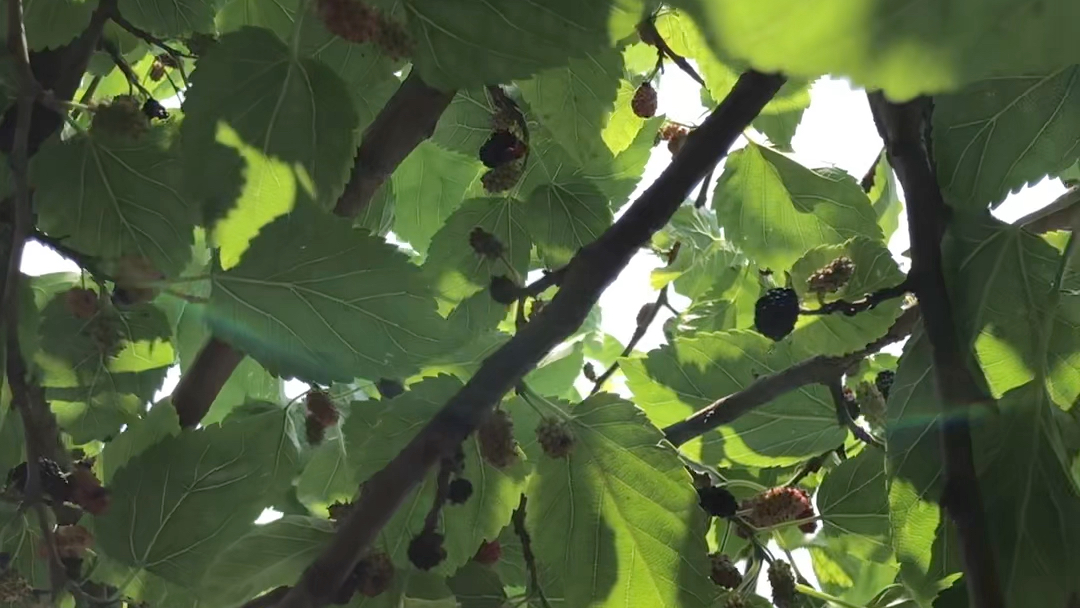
[(374, 574), (321, 408), (872, 403), (717, 501), (723, 572), (496, 438), (314, 431), (884, 381), (81, 303), (851, 403), (778, 505), (485, 244), (502, 178), (339, 510), (734, 600), (488, 553), (645, 314), (73, 541), (832, 277), (135, 276), (426, 550), (644, 102), (501, 147), (776, 312), (14, 589), (782, 580), (122, 118), (670, 130), (55, 483), (677, 141), (388, 388), (589, 371), (555, 437), (504, 290), (153, 109), (87, 492), (460, 490), (357, 22), (105, 332)]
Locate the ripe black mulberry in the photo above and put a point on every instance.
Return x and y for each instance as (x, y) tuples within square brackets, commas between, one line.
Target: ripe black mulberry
[(460, 490), (426, 550), (389, 388), (501, 147), (776, 312), (504, 290), (486, 244), (717, 501), (884, 381)]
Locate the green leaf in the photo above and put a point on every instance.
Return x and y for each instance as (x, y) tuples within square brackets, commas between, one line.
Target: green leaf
[(185, 498), (377, 431), (678, 379), (477, 586), (52, 23), (286, 122), (111, 197), (520, 39), (326, 477), (887, 44), (885, 197), (776, 209), (1001, 281), (428, 186), (455, 269), (563, 218), (346, 304), (466, 123), (170, 18), (837, 334), (554, 376), (160, 422), (266, 557), (852, 555), (20, 538), (577, 101), (618, 518), (998, 135), (377, 216), (780, 128)]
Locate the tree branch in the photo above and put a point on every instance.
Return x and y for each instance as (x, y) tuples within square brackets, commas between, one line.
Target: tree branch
[(527, 553), (836, 390), (593, 268), (200, 385), (407, 119), (643, 322), (902, 128), (1055, 216), (816, 370)]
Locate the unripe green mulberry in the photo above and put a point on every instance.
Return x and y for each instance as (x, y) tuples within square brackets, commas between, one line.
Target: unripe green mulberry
[(122, 118), (832, 277)]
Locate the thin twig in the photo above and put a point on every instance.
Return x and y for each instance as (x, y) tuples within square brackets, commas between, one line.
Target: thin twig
[(644, 321), (122, 64), (836, 389), (527, 554), (903, 128), (809, 468), (650, 34), (591, 270), (148, 38), (869, 302), (816, 370), (550, 279), (703, 194)]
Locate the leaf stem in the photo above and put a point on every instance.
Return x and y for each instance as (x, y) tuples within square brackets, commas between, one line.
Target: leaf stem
[(821, 595)]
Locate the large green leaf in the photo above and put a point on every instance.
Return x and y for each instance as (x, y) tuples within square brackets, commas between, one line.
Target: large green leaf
[(776, 210), (52, 23), (112, 197), (577, 101), (456, 269), (326, 478), (266, 557), (890, 44), (520, 38), (885, 196), (853, 557), (170, 18), (618, 518), (1002, 279), (160, 422), (344, 304), (565, 217), (179, 502), (286, 122), (466, 123), (428, 186), (998, 135), (837, 334), (377, 431), (678, 379)]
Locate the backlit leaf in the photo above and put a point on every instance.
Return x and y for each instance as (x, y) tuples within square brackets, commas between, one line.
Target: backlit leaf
[(428, 186)]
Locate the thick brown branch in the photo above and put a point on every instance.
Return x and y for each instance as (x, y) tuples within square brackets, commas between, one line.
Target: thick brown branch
[(201, 383), (902, 128), (588, 274), (1055, 216), (407, 119), (816, 370)]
